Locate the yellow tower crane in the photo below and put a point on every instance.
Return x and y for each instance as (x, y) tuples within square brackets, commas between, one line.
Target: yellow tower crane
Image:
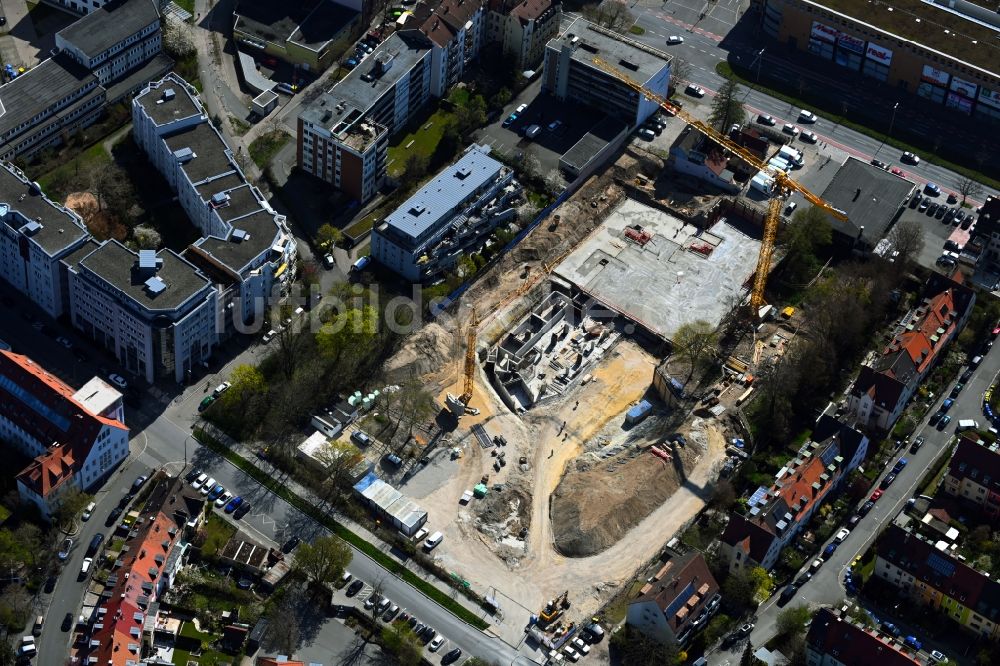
[(782, 183)]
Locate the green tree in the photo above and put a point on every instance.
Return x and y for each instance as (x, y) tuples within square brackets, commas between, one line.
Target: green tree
[(246, 382), (400, 640), (338, 459), (792, 620), (636, 649), (324, 560), (328, 236), (348, 336), (695, 342), (763, 584), (727, 108), (501, 99), (471, 116), (448, 145), (804, 237), (415, 168), (146, 238), (71, 503)]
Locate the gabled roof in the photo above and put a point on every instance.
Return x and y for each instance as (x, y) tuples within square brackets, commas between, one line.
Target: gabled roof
[(848, 439), (682, 584), (530, 10), (977, 462), (748, 536), (939, 570), (448, 19), (852, 644), (110, 24), (42, 406), (49, 471)]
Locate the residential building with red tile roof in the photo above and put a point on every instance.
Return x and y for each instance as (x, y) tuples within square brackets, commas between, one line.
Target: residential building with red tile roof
[(925, 572), (974, 474), (523, 27), (76, 438), (280, 660), (699, 157), (457, 32), (884, 386), (145, 568), (834, 639), (775, 515), (678, 600)]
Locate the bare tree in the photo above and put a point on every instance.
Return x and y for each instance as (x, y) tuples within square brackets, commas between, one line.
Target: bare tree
[(907, 238), (610, 14), (283, 632), (680, 71), (338, 459), (696, 343), (969, 188)]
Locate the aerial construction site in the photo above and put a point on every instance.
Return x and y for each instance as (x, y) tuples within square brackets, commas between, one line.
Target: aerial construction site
[(572, 451)]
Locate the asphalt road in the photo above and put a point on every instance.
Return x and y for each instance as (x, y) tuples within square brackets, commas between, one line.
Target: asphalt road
[(702, 49), (826, 587)]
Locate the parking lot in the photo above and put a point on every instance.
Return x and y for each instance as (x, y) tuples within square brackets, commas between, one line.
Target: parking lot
[(560, 128)]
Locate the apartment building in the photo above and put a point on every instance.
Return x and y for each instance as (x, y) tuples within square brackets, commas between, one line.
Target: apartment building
[(99, 59), (74, 438), (986, 233), (571, 72), (974, 474), (453, 214), (310, 34), (933, 577), (676, 601), (247, 248), (36, 234), (885, 385), (343, 134), (522, 28), (835, 639), (942, 52), (113, 40), (153, 554), (155, 311), (775, 515), (457, 31)]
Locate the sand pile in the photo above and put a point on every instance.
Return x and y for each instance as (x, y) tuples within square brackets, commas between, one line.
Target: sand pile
[(424, 353)]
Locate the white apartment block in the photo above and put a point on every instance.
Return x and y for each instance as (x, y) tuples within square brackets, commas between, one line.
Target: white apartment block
[(155, 311), (245, 244), (34, 235)]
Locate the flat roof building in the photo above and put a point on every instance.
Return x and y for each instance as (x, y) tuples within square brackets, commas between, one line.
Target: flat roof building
[(308, 33), (943, 51), (571, 73), (343, 135), (872, 199), (403, 513), (454, 213)]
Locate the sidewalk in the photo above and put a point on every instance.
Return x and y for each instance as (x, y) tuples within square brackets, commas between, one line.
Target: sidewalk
[(308, 495)]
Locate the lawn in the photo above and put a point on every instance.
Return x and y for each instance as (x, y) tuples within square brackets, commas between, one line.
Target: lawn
[(57, 183), (207, 657), (421, 141), (186, 5), (266, 146), (218, 533)]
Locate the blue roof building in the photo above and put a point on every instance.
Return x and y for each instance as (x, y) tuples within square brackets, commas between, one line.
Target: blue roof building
[(452, 214)]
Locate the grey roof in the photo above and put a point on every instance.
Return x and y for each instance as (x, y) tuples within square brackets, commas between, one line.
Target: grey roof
[(210, 151), (591, 143), (235, 252), (118, 266), (164, 108), (77, 255), (312, 23), (870, 196), (57, 228), (435, 202), (639, 61), (222, 184), (136, 79), (405, 48), (239, 202), (40, 88), (114, 22)]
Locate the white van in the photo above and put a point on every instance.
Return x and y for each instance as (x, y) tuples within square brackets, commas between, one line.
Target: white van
[(85, 567), (967, 424), (433, 541), (780, 164), (790, 155), (89, 511)]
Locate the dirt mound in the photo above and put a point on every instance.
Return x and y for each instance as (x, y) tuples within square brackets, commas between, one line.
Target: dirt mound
[(592, 508), (425, 352), (100, 223)]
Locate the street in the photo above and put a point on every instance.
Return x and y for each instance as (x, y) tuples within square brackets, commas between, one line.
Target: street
[(826, 586)]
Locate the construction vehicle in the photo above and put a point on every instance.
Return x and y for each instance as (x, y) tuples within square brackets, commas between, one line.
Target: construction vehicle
[(554, 609), (783, 185)]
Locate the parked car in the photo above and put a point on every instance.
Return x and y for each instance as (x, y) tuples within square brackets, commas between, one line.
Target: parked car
[(866, 507), (900, 464), (233, 504), (789, 128), (887, 481), (694, 91), (436, 643), (206, 402), (952, 198), (646, 134), (223, 499), (932, 188), (936, 418), (938, 656), (943, 423), (880, 164), (810, 137), (452, 656), (118, 381), (199, 481), (242, 510), (956, 390), (216, 492), (806, 116), (909, 158), (208, 486), (896, 171), (912, 642), (291, 544), (765, 119), (65, 548), (917, 443), (842, 534), (354, 587), (829, 550)]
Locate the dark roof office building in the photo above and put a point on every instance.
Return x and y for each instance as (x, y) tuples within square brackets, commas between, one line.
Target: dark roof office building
[(872, 199)]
